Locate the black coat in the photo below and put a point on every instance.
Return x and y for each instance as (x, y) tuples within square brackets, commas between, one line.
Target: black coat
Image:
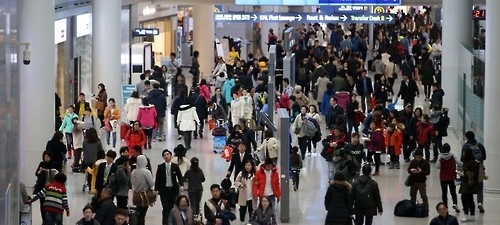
[(200, 104), (360, 87), (338, 203), (331, 69), (58, 151), (250, 139), (368, 206), (41, 177), (158, 99), (238, 163), (222, 103), (161, 177), (408, 91), (105, 214), (99, 182), (333, 113)]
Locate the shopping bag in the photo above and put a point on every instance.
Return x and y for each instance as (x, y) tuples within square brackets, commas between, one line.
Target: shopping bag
[(211, 124), (373, 102), (227, 154)]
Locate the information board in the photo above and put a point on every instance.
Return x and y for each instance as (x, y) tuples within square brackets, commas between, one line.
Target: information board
[(318, 2), (384, 18), (127, 92)]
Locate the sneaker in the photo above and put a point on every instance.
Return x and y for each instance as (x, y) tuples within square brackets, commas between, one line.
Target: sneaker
[(455, 207), (180, 137), (464, 218), (480, 207)]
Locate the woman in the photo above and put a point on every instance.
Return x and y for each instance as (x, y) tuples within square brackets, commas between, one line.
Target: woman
[(232, 56), (204, 90), (58, 150), (327, 95), (91, 145), (246, 105), (181, 214), (122, 181), (101, 99), (469, 185), (187, 119), (381, 90), (303, 139), (132, 106), (147, 118), (235, 137), (78, 138), (111, 118), (427, 73), (264, 214), (42, 174), (87, 219), (235, 109), (174, 109), (375, 144), (352, 112), (269, 146), (179, 85), (142, 180), (181, 159), (244, 183), (135, 136), (338, 201), (195, 177), (195, 68), (313, 113), (321, 87), (220, 67)]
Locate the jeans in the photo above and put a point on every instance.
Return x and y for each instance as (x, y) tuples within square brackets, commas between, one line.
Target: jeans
[(69, 140), (199, 128), (141, 215), (108, 135), (303, 143), (195, 199), (331, 170), (421, 187), (468, 204), (53, 218), (244, 209), (438, 145), (160, 132), (187, 138), (360, 218), (444, 191), (371, 155)]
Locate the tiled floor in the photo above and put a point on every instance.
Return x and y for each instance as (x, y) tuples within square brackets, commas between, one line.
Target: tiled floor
[(306, 204)]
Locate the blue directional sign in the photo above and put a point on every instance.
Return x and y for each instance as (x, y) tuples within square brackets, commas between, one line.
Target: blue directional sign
[(319, 2), (360, 2), (305, 17)]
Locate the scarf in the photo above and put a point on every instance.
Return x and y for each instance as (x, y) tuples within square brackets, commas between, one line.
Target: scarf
[(178, 215), (264, 216)]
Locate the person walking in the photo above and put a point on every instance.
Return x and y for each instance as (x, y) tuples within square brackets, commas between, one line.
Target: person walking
[(168, 183), (147, 118), (366, 197), (122, 182), (408, 90), (142, 180), (419, 169), (58, 150), (470, 184), (194, 178), (56, 192), (447, 163), (187, 120), (67, 128), (159, 100), (132, 106), (338, 201), (365, 90), (244, 182), (91, 145), (111, 118), (479, 153)]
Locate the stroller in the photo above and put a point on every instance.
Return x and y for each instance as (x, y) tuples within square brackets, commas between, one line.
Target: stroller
[(219, 133)]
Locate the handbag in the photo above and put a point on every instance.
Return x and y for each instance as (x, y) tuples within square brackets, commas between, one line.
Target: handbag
[(100, 105), (409, 181), (251, 124), (192, 71), (227, 153), (211, 124), (144, 198)]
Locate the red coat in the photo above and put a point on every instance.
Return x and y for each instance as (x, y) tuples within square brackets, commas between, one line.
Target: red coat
[(135, 138), (376, 142), (259, 182), (425, 131), (398, 141)]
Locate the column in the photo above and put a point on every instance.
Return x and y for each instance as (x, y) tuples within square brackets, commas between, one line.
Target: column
[(492, 91), (457, 30), (106, 48), (203, 37), (36, 26)]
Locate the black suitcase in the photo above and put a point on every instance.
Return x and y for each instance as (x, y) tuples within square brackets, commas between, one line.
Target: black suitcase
[(404, 208), (421, 211)]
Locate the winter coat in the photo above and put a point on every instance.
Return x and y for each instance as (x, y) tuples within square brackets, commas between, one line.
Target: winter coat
[(300, 96), (67, 125), (157, 98), (227, 88), (325, 106), (147, 116), (259, 183), (424, 166), (437, 97), (187, 118), (90, 151), (338, 203), (122, 179), (201, 106), (427, 72), (425, 132), (112, 116), (298, 123), (333, 113), (398, 141), (373, 204), (58, 150), (245, 186), (376, 142), (470, 182), (246, 107), (321, 83), (219, 81), (271, 145), (78, 135), (205, 92), (236, 110), (141, 177), (132, 108), (447, 163), (135, 138)]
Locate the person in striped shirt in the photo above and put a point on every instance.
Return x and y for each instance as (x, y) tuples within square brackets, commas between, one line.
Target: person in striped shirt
[(56, 200)]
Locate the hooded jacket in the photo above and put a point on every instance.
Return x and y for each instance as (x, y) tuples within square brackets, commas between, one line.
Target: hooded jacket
[(132, 108), (259, 183), (447, 163), (227, 88), (142, 179), (146, 116), (371, 205), (67, 124), (157, 98), (187, 118)]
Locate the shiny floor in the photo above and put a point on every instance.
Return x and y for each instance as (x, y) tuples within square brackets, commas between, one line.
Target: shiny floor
[(307, 204)]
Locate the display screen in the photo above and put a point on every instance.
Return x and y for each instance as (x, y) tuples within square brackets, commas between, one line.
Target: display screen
[(479, 14)]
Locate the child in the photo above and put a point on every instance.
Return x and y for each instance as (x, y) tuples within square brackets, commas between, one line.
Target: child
[(77, 133), (88, 211), (56, 200), (357, 151), (393, 141), (295, 166), (447, 163)]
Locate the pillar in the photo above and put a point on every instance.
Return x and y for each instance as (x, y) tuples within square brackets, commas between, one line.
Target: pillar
[(457, 31), (492, 90), (203, 37), (36, 25), (106, 48)]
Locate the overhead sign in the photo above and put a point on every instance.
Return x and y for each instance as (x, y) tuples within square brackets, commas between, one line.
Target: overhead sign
[(318, 2), (345, 9), (361, 2), (141, 32), (305, 17), (479, 14), (60, 31), (83, 25), (127, 92)]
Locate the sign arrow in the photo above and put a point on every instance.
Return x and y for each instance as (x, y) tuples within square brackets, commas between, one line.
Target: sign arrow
[(390, 18), (254, 17), (344, 18), (299, 18)]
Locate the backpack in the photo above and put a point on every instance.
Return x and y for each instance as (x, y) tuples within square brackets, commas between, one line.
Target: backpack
[(476, 151), (404, 208), (421, 211), (363, 199), (83, 119), (308, 127), (317, 135)]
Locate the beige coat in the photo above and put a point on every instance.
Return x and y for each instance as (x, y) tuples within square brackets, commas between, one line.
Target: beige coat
[(271, 145), (242, 186)]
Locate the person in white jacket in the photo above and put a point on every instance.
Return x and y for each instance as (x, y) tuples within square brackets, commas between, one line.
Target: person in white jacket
[(132, 107), (220, 67), (246, 105), (244, 183), (269, 146), (236, 109), (187, 119)]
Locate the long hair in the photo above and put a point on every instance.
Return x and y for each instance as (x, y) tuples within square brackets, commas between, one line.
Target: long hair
[(91, 135), (245, 174), (195, 164), (58, 136)]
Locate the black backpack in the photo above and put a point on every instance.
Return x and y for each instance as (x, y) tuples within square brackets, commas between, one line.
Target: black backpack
[(364, 198), (404, 208)]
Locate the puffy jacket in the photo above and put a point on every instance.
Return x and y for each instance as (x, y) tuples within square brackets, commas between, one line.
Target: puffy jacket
[(132, 108), (187, 118), (338, 203), (135, 138), (67, 124), (205, 92), (398, 141), (147, 116), (370, 205), (425, 131), (227, 88), (376, 142), (271, 145), (259, 183), (157, 98), (112, 116)]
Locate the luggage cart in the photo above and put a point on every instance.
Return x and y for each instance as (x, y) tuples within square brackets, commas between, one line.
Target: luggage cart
[(219, 133)]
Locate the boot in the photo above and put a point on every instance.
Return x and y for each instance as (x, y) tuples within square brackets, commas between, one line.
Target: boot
[(391, 165), (397, 165)]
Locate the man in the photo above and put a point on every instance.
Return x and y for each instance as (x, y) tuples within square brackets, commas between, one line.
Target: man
[(173, 65), (214, 206), (158, 76), (318, 71), (437, 96), (287, 89), (132, 161), (121, 217), (330, 68), (357, 151), (218, 113), (249, 135), (238, 160), (408, 90), (479, 153), (339, 83), (67, 127), (158, 99), (366, 196), (104, 170), (419, 169), (408, 143), (444, 218), (331, 144), (200, 104), (141, 86), (333, 113), (346, 44), (81, 105), (168, 183), (267, 182), (365, 89), (56, 200), (107, 208)]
